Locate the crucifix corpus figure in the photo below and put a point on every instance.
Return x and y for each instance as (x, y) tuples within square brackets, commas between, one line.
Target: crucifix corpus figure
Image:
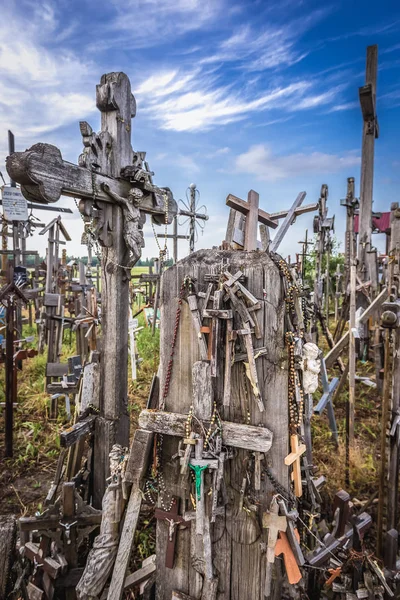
[(133, 220)]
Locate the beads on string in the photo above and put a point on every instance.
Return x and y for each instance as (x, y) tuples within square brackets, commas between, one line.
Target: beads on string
[(212, 423), (188, 424)]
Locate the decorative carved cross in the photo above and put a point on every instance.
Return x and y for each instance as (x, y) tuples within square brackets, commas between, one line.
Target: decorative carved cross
[(172, 517), (294, 459), (112, 183)]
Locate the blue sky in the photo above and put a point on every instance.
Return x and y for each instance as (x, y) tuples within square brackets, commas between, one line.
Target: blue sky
[(230, 95)]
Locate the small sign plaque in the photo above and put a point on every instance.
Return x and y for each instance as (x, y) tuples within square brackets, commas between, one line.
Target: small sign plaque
[(15, 206)]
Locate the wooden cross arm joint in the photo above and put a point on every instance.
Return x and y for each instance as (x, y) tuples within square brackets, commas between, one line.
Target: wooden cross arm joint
[(243, 207), (44, 176)]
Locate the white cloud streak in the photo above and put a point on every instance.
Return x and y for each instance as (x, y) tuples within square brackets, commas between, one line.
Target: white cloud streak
[(196, 101), (260, 161)]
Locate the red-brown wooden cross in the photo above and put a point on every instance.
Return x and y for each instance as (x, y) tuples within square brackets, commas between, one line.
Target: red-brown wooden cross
[(173, 519)]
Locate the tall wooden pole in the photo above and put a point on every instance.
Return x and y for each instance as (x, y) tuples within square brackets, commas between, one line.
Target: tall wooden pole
[(367, 95), (9, 369), (393, 487), (117, 106), (352, 262)]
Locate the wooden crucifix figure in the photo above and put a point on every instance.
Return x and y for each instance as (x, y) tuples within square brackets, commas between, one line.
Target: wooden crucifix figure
[(174, 520), (108, 168)]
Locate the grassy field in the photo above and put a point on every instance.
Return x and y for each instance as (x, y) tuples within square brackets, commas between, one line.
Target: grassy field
[(25, 479)]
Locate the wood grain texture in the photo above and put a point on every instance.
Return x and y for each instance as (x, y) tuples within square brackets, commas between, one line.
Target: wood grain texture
[(236, 435), (237, 557), (8, 531)]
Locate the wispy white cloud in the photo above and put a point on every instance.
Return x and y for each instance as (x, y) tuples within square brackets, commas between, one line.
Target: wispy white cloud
[(149, 23), (260, 161), (195, 100), (267, 47), (40, 90), (344, 106)]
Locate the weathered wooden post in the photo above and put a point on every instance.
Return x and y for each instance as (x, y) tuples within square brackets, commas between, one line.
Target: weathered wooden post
[(367, 93), (239, 528), (393, 479)]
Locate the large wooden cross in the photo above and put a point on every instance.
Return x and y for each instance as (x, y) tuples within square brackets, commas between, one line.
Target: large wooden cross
[(253, 214), (367, 94), (112, 182)]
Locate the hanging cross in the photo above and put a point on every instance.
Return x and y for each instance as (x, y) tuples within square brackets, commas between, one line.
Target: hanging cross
[(253, 215), (274, 523), (283, 547), (115, 188), (174, 520), (294, 459)]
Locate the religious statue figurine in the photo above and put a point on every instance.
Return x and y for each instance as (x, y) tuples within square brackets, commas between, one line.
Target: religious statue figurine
[(311, 366), (133, 220)]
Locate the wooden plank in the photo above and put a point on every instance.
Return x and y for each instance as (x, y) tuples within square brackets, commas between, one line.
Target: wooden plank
[(251, 225), (139, 456), (243, 207), (215, 333), (141, 574), (125, 545), (56, 369), (211, 313), (90, 386), (352, 357), (45, 523), (51, 299), (233, 434), (8, 530), (203, 396), (70, 436), (192, 301), (301, 210), (280, 234), (140, 452), (229, 345)]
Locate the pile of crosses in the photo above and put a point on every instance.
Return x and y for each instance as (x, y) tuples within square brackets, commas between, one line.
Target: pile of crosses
[(223, 452)]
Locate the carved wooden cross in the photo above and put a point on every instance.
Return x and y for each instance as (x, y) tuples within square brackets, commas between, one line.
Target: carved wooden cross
[(294, 459), (283, 547), (173, 519), (113, 183), (274, 523), (253, 214)]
